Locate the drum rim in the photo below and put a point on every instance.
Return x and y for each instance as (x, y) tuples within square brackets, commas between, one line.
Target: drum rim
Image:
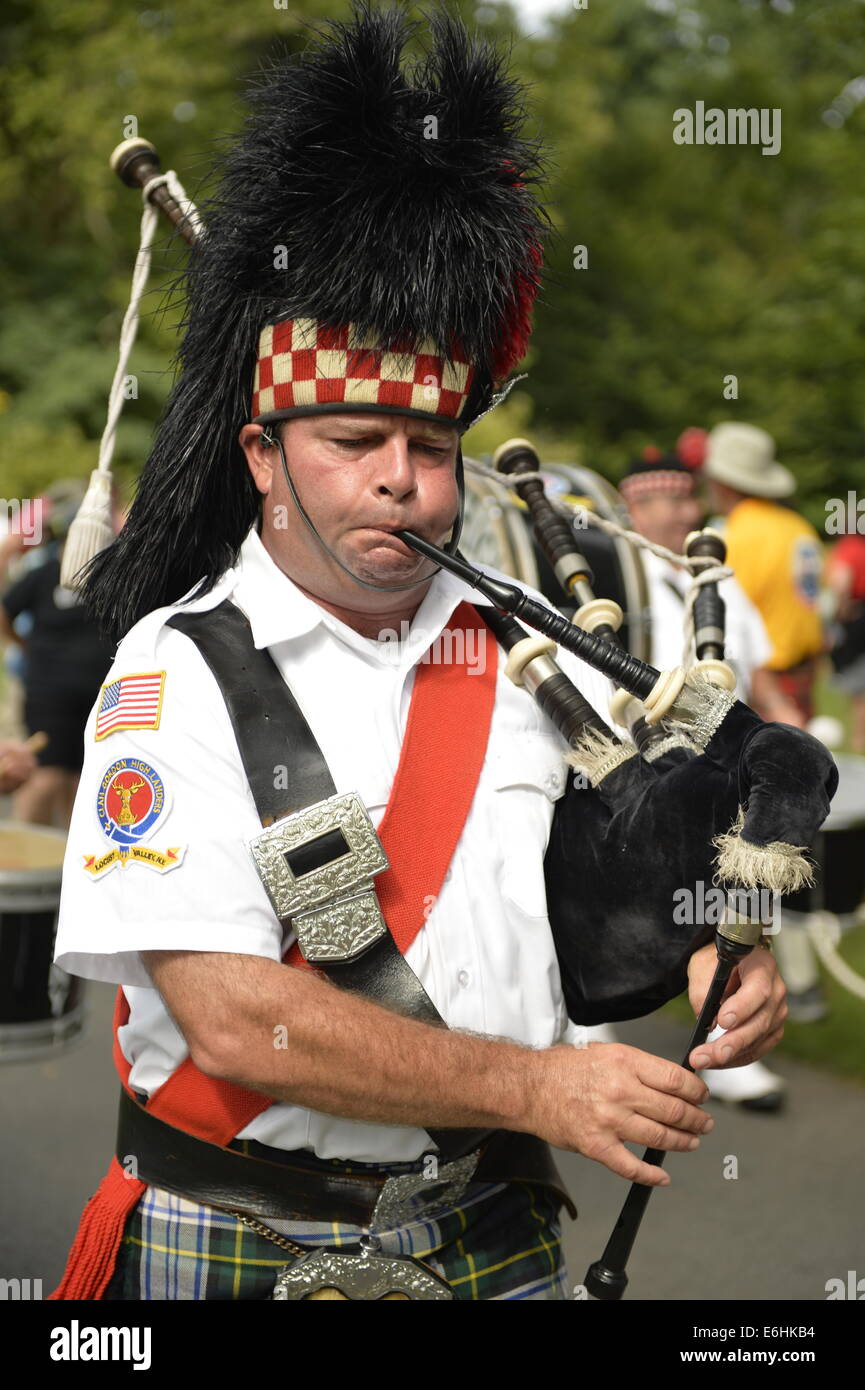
[(45, 879), (487, 494), (41, 1038)]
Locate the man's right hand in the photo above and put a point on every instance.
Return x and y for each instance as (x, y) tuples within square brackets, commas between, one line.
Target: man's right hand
[(594, 1099)]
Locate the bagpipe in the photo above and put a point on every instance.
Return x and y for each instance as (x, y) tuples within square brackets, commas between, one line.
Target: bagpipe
[(702, 791), (683, 785)]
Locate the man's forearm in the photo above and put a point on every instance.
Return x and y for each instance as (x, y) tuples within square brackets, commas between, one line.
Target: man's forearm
[(301, 1040)]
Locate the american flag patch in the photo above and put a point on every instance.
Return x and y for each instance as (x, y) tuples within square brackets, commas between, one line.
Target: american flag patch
[(133, 702)]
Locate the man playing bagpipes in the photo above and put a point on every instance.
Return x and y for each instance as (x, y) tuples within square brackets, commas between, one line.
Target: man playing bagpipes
[(317, 862)]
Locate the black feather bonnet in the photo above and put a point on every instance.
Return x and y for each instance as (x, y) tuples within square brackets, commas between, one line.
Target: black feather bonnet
[(374, 243)]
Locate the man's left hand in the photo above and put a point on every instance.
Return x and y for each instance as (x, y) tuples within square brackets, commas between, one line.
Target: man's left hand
[(753, 1009)]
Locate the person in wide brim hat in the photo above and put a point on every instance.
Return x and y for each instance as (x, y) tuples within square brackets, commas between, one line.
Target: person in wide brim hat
[(742, 457), (777, 559)]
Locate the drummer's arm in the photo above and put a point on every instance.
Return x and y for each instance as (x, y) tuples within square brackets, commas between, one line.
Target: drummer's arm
[(839, 582), (769, 699), (7, 631), (17, 763)]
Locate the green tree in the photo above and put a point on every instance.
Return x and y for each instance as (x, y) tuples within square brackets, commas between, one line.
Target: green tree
[(705, 261)]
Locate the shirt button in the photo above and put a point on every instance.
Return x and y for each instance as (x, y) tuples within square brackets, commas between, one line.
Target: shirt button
[(464, 978), (554, 781)]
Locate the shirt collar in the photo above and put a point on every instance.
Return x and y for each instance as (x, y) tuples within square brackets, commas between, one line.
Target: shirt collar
[(278, 611), (276, 608)]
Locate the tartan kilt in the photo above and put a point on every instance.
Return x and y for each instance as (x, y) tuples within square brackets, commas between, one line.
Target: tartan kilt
[(502, 1242)]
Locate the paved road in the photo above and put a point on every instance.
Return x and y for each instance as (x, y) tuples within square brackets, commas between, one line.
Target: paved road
[(793, 1218)]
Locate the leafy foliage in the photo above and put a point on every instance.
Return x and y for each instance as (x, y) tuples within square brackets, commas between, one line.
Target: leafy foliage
[(703, 261)]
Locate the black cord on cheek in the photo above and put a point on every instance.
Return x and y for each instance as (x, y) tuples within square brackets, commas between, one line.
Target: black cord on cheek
[(267, 440)]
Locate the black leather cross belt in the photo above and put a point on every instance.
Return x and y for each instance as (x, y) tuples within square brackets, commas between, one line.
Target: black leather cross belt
[(299, 1186), (271, 730)]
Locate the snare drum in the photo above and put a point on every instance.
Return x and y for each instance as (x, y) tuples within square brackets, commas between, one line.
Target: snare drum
[(839, 849), (41, 1007)]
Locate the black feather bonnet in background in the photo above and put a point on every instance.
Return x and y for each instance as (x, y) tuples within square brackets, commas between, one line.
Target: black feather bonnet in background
[(411, 237)]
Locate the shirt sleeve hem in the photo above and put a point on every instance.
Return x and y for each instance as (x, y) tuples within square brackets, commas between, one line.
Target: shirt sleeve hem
[(123, 965)]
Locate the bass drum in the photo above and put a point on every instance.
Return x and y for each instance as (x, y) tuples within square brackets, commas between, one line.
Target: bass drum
[(41, 1008), (497, 533)]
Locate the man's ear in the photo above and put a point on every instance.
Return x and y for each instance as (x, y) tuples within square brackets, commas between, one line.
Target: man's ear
[(259, 458)]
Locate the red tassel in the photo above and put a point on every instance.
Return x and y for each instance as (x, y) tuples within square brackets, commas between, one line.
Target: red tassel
[(94, 1254)]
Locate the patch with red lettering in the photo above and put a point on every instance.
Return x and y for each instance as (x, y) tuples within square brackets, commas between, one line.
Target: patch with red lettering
[(131, 802)]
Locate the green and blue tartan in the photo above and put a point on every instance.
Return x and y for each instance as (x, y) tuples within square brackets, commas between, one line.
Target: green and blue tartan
[(502, 1242)]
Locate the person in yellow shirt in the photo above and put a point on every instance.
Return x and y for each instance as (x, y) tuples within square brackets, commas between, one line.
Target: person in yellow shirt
[(775, 553), (777, 558)]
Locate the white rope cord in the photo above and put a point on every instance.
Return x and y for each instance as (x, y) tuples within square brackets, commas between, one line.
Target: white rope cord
[(713, 575), (92, 530), (824, 929), (129, 330), (570, 509)]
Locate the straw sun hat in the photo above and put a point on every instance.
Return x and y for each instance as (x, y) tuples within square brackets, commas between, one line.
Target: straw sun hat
[(743, 457)]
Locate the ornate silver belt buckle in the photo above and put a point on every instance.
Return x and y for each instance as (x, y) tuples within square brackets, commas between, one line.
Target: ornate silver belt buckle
[(317, 866), (364, 1276)]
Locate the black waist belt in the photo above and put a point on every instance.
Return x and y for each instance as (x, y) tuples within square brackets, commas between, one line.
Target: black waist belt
[(298, 1185)]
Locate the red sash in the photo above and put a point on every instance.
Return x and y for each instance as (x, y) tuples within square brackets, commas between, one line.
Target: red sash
[(442, 754)]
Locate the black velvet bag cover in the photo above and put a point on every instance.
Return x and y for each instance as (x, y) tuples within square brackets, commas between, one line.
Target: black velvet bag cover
[(617, 857)]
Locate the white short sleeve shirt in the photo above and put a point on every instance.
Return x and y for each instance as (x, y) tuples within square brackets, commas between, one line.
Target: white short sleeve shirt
[(747, 643), (485, 953)]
